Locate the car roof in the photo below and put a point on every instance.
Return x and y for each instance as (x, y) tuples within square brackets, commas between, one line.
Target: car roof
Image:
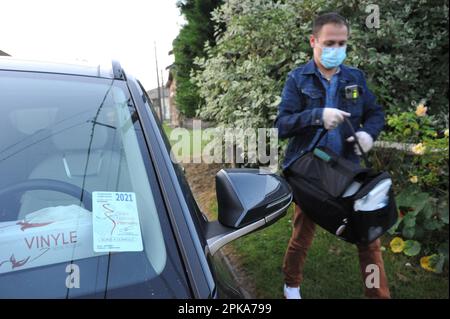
[(113, 70)]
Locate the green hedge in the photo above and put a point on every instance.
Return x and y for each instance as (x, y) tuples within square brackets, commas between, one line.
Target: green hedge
[(406, 59)]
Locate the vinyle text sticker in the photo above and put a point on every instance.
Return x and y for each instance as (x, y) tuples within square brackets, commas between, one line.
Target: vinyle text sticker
[(115, 222)]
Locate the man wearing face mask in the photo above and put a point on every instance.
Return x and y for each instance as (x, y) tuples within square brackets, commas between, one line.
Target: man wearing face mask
[(321, 94)]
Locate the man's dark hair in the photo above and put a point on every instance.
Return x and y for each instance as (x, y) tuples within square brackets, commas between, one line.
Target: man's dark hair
[(326, 18)]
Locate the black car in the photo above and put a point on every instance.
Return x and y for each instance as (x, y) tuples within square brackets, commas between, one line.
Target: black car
[(91, 205)]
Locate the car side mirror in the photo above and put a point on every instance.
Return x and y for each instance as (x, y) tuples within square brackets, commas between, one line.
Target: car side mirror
[(248, 199)]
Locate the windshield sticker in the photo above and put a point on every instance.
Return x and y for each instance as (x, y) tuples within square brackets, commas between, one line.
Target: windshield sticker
[(115, 222), (48, 236)]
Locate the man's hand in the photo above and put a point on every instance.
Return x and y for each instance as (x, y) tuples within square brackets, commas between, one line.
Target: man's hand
[(333, 117), (364, 139)]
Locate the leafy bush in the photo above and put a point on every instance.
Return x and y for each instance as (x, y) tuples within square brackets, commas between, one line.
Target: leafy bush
[(406, 59), (422, 184), (242, 77), (430, 168)]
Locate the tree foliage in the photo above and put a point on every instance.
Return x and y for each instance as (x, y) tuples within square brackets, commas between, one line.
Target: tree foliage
[(188, 45), (405, 60)]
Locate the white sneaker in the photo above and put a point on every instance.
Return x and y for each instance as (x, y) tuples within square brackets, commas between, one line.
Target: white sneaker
[(292, 292)]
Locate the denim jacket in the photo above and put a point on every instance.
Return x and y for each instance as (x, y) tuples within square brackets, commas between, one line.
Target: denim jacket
[(301, 109)]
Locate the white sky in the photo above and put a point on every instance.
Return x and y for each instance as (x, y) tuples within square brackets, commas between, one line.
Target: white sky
[(93, 30)]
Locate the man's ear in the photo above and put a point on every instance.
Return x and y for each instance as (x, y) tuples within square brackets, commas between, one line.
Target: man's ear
[(312, 40)]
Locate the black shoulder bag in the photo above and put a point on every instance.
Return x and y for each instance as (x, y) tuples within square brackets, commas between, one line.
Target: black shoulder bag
[(353, 202)]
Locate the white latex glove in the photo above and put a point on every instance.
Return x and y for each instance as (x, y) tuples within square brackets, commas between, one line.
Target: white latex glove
[(333, 117), (364, 139)]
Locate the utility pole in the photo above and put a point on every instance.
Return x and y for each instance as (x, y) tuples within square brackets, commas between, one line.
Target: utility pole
[(159, 92)]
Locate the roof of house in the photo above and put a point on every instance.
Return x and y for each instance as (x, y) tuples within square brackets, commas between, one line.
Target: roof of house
[(153, 94)]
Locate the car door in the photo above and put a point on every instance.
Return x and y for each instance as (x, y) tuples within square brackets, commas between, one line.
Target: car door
[(225, 285), (188, 226), (82, 213)]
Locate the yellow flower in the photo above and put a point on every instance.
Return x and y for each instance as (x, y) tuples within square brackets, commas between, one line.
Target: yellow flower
[(414, 179), (397, 245), (421, 109), (446, 133), (425, 263), (418, 149)]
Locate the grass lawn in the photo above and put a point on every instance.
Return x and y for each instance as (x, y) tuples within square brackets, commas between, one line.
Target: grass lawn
[(332, 267)]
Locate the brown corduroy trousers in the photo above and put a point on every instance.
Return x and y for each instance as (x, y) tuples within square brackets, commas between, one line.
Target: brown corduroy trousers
[(301, 239)]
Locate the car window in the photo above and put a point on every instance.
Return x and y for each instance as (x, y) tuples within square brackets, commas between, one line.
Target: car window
[(199, 218), (80, 210)]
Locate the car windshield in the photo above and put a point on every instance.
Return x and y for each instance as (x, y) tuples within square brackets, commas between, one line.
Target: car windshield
[(80, 210)]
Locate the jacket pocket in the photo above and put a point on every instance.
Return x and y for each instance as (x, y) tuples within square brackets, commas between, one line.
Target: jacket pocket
[(312, 98)]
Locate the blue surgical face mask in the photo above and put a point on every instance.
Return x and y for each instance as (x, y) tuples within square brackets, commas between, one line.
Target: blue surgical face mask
[(333, 57)]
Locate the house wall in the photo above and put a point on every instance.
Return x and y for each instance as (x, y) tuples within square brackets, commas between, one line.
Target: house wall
[(174, 113)]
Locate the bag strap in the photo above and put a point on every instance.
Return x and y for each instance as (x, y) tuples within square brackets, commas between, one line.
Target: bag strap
[(316, 139), (322, 132), (363, 154)]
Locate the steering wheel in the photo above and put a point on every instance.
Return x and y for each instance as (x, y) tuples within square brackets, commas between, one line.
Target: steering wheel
[(51, 185)]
